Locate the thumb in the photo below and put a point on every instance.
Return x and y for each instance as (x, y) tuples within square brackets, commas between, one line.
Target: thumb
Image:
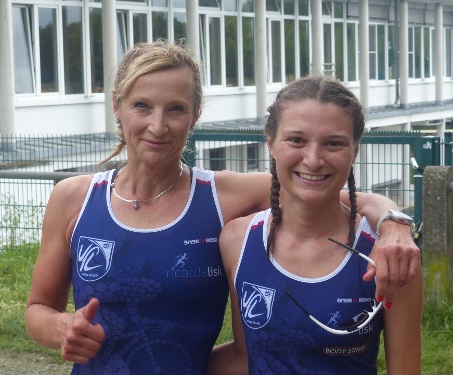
[(89, 311)]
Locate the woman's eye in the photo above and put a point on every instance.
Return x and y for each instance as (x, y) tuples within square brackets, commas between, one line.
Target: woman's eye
[(177, 108), (335, 144), (140, 105)]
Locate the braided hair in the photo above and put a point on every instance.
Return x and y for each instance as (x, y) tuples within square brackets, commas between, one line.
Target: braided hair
[(325, 90)]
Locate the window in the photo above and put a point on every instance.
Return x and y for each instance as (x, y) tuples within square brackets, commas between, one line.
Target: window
[(48, 53), (180, 25), (448, 52), (252, 156), (290, 57), (160, 25), (304, 47), (96, 58), (415, 52), (426, 52), (351, 37), (73, 64), (248, 52), (231, 51), (339, 50), (140, 27), (217, 160), (211, 53), (377, 51), (391, 52), (275, 51), (23, 63)]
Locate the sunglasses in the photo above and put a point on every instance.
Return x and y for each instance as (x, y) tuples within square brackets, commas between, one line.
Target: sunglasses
[(357, 322)]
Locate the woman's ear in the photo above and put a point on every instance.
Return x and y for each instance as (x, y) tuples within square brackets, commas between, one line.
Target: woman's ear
[(270, 145), (356, 151)]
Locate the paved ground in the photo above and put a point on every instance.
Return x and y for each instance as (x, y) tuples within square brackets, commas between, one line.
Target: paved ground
[(30, 364)]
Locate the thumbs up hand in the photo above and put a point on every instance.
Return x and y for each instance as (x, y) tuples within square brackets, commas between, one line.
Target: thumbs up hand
[(80, 340)]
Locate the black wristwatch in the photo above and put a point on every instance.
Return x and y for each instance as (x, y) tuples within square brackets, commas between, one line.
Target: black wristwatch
[(398, 216)]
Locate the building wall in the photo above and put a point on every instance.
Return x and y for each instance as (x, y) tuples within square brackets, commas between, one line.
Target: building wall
[(79, 107)]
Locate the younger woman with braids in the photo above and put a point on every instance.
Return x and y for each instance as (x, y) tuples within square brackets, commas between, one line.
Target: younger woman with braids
[(283, 270)]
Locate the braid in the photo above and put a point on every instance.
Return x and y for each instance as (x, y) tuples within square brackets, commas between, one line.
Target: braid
[(116, 151), (353, 201), (275, 205)]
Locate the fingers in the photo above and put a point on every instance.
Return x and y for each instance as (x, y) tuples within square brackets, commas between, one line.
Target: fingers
[(82, 340), (89, 311)]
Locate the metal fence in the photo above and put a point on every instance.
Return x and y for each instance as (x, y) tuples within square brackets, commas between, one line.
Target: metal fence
[(31, 165)]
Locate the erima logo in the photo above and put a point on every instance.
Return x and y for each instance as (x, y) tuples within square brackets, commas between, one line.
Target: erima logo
[(201, 240), (94, 257), (256, 305)]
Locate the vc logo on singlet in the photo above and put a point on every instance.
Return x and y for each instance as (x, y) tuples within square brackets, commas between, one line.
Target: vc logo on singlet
[(256, 305), (94, 257)]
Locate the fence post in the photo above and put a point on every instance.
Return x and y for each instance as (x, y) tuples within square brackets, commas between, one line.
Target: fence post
[(438, 233), (447, 148), (189, 153)]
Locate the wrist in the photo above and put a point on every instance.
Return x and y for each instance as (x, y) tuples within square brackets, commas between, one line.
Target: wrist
[(389, 226)]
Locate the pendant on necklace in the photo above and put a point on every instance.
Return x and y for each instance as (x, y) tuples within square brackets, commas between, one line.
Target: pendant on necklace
[(136, 205)]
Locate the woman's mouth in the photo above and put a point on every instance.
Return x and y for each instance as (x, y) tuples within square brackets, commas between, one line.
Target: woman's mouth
[(312, 177)]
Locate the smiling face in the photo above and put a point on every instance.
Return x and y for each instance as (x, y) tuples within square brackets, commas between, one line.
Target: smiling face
[(157, 114), (314, 150)]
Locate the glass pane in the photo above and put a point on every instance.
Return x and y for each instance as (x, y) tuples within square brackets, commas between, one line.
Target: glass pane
[(180, 25), (140, 27), (352, 52), (288, 7), (327, 29), (231, 51), (121, 45), (248, 45), (272, 6), (230, 5), (391, 51), (304, 47), (208, 3), (180, 3), (381, 52), (373, 54), (372, 36), (418, 52), (327, 8), (276, 52), (303, 7), (73, 50), (23, 72), (48, 49), (426, 53), (215, 55), (133, 1), (290, 59), (159, 3), (338, 10), (160, 25), (96, 59), (247, 5), (339, 51)]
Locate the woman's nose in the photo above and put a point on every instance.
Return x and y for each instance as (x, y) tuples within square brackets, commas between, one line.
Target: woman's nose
[(157, 122), (313, 155)]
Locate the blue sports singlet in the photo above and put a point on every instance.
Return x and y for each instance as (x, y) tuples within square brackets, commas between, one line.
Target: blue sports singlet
[(162, 292), (280, 338)]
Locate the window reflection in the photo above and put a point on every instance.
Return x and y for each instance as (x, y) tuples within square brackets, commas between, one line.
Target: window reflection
[(73, 50), (48, 49), (23, 64), (96, 59)]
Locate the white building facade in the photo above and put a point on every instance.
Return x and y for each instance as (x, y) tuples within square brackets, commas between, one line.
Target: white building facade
[(57, 56)]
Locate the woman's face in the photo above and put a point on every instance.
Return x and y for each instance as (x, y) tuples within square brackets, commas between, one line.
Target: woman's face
[(314, 150), (157, 115)]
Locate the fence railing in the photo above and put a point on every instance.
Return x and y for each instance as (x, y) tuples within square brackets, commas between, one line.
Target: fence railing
[(31, 165)]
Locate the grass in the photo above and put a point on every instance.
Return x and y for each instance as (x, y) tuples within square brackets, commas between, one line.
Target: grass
[(16, 268)]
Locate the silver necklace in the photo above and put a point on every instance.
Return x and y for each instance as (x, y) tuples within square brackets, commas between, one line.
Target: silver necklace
[(136, 201)]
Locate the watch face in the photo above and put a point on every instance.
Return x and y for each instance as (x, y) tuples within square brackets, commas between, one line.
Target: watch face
[(400, 216)]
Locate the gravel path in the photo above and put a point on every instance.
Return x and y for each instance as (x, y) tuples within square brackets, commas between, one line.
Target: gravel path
[(12, 363)]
